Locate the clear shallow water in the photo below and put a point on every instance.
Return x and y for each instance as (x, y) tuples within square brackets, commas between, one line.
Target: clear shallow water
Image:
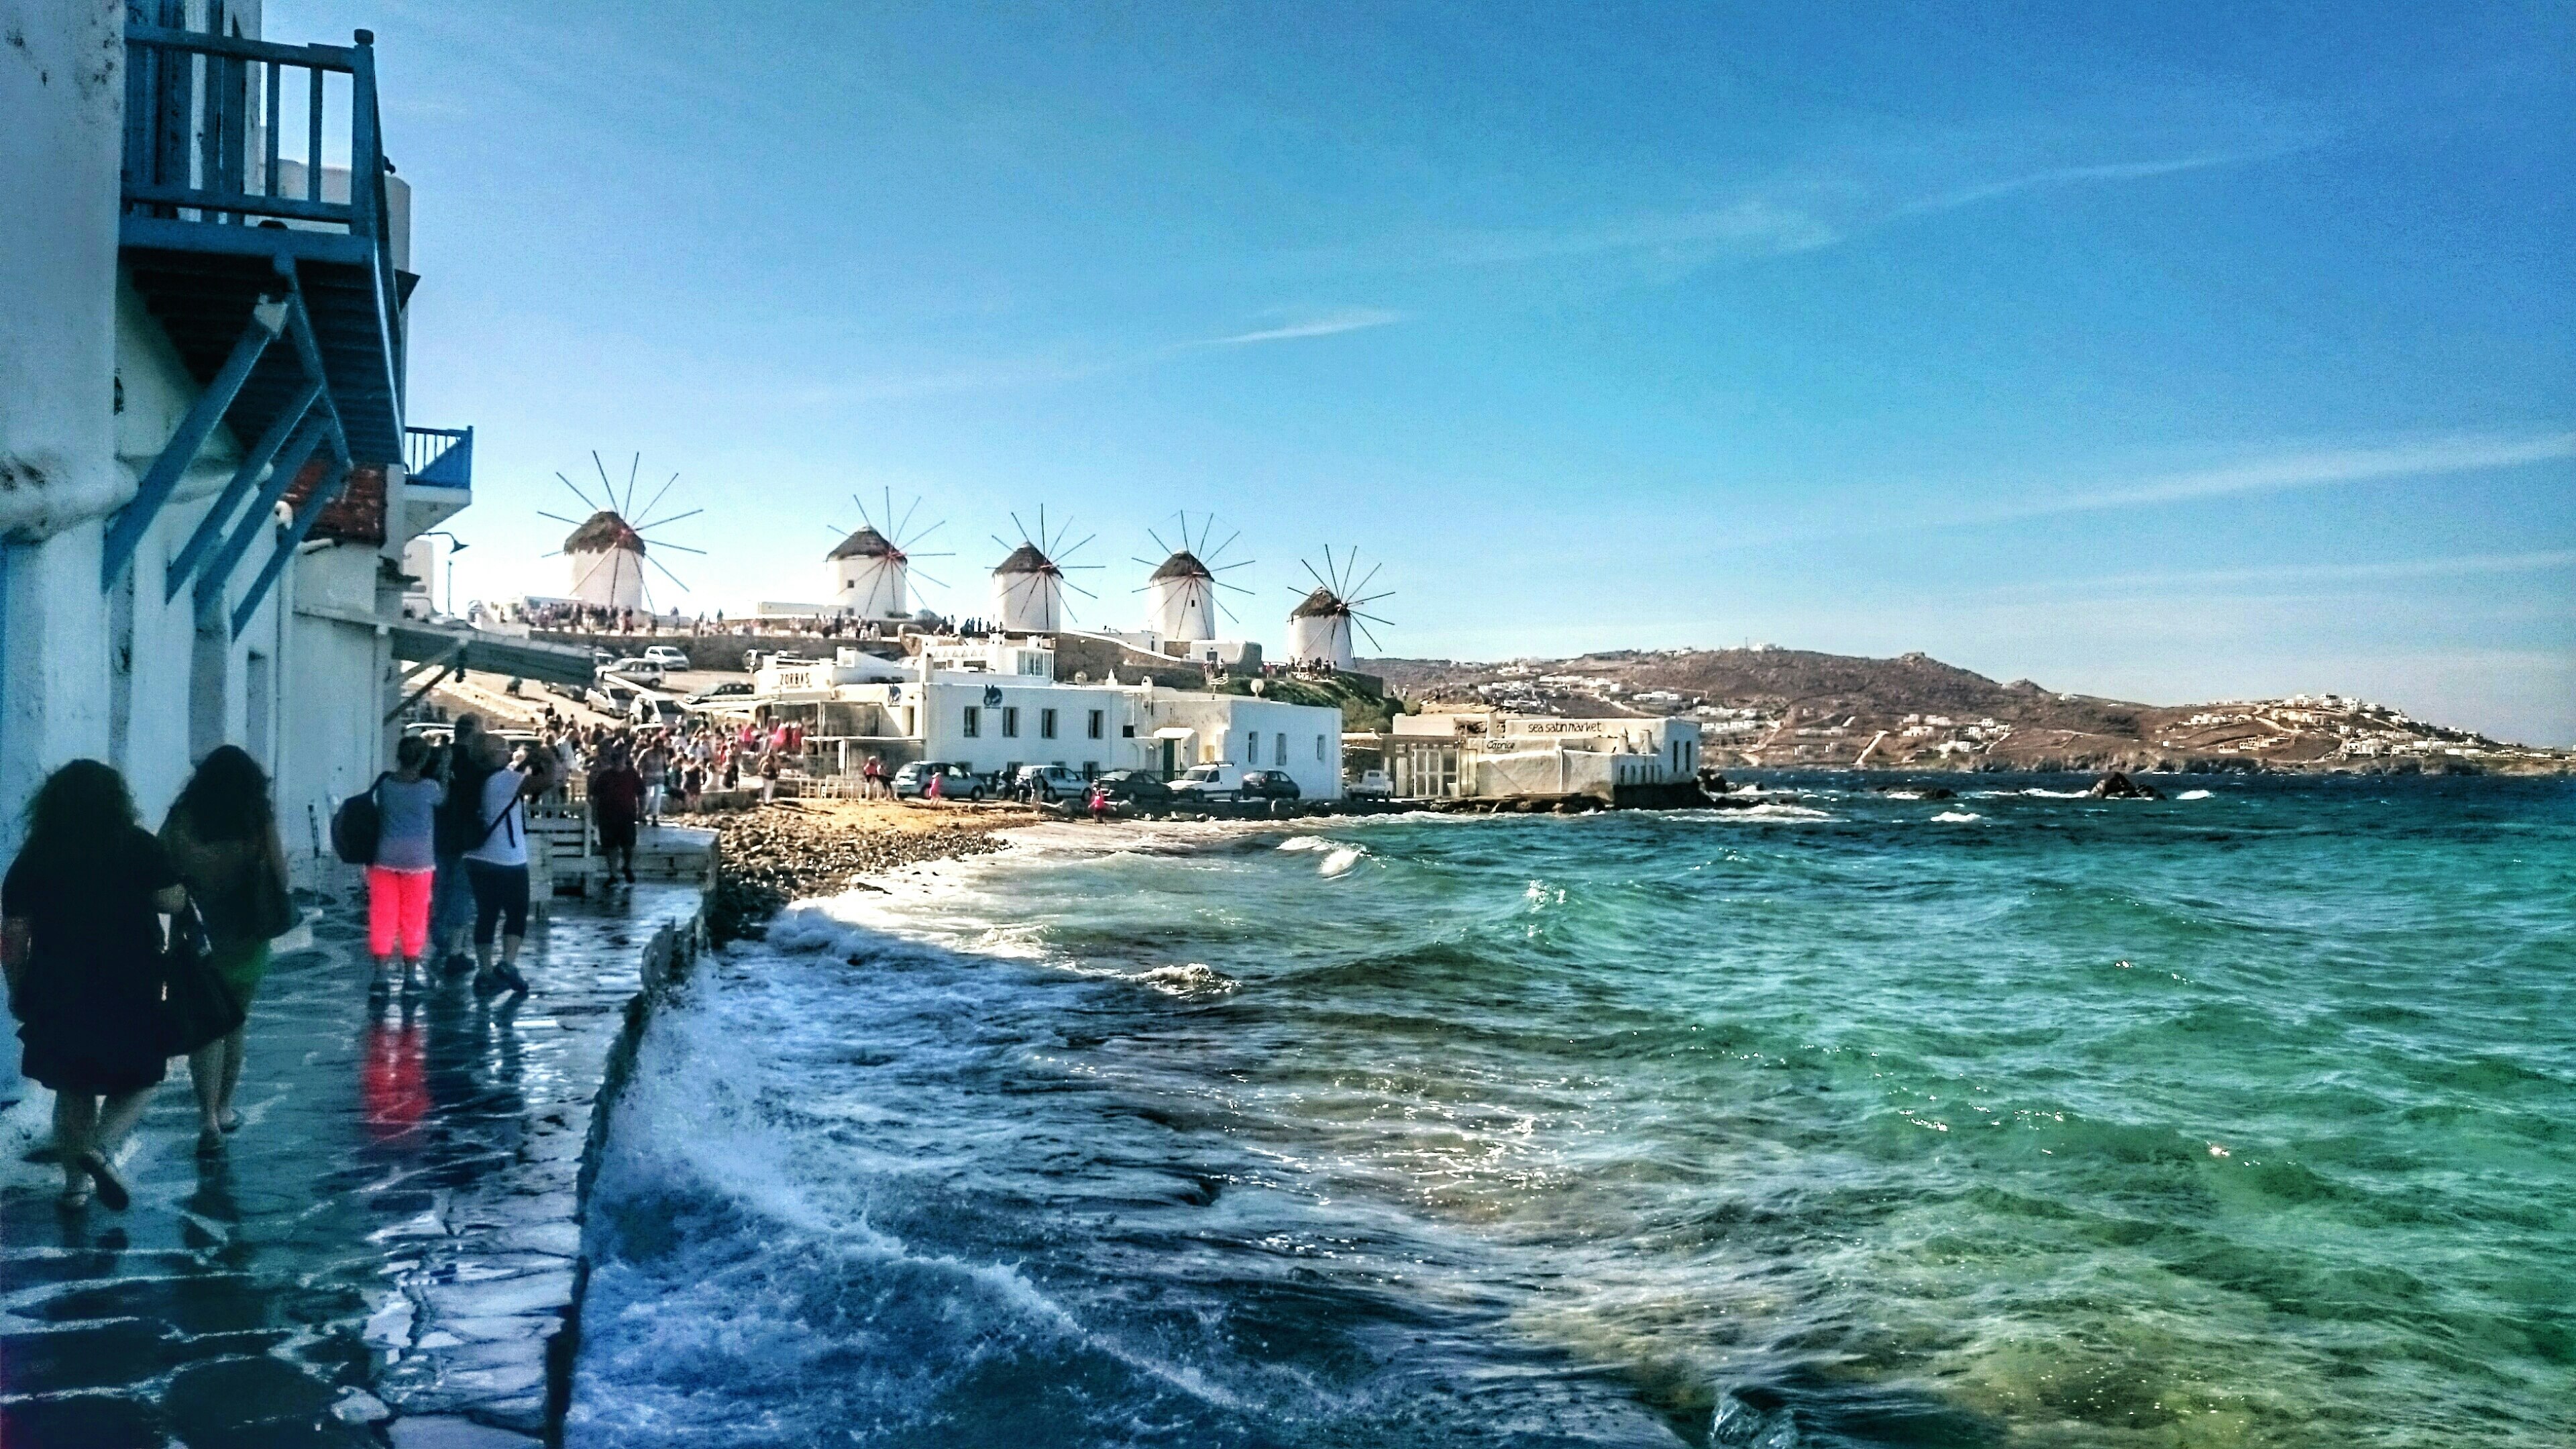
[(2007, 1119)]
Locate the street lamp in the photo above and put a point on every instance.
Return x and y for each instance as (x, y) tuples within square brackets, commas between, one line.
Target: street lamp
[(455, 546)]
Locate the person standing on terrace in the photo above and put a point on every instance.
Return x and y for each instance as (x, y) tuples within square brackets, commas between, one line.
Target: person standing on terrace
[(80, 942)]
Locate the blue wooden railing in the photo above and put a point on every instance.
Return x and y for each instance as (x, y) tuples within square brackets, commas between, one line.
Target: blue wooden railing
[(439, 457), (192, 152)]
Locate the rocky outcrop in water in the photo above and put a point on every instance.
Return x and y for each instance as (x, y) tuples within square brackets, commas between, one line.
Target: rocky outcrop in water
[(770, 856)]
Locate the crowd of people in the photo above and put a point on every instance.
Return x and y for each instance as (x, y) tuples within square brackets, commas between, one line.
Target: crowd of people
[(677, 764), (124, 948)]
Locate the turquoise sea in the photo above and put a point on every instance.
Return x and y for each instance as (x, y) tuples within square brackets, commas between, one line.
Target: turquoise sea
[(2241, 1118)]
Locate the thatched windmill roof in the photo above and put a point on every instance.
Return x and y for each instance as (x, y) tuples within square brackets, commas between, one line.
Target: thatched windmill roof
[(1026, 559), (604, 530), (866, 543), (1183, 564), (1321, 604)]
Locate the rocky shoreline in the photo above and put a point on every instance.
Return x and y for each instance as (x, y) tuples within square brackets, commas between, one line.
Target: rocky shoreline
[(772, 854)]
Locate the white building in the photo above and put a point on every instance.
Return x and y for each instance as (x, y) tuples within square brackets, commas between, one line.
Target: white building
[(993, 706), (1028, 592), (869, 575), (1180, 598), (206, 480), (1319, 631), (1490, 754), (604, 562)]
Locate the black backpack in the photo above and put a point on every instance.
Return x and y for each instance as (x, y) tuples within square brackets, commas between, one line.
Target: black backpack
[(358, 825), (460, 824)]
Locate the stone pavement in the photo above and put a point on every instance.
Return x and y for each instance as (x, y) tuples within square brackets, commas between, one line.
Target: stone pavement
[(385, 1251)]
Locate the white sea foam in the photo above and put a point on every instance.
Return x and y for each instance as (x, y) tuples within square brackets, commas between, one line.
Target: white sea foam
[(1956, 817), (1340, 861), (1769, 810), (2193, 795), (1305, 842)]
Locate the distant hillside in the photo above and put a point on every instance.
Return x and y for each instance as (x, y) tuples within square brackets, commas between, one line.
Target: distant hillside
[(1788, 707)]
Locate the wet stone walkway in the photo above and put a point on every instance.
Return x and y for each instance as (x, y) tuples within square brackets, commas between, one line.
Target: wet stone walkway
[(385, 1251)]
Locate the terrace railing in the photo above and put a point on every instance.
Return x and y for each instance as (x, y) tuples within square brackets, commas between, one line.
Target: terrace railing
[(232, 132), (442, 457)]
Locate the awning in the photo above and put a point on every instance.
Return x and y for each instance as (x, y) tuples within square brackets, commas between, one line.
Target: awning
[(420, 643), (1174, 732)]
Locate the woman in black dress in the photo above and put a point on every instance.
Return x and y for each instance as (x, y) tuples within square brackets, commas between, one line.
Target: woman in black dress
[(80, 936)]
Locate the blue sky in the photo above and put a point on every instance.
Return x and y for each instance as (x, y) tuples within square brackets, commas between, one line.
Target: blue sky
[(2162, 351)]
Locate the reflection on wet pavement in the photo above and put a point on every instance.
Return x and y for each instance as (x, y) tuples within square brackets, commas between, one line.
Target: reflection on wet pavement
[(392, 1231)]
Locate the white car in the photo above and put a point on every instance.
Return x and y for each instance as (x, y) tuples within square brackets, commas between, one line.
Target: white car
[(1204, 783), (636, 668), (669, 656), (1371, 785)]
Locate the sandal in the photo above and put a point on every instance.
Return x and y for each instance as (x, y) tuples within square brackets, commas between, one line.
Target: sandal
[(210, 1141), (111, 1189), (232, 1122), (73, 1197)]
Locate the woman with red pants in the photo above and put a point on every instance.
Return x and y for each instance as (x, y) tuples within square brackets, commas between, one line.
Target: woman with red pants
[(406, 864)]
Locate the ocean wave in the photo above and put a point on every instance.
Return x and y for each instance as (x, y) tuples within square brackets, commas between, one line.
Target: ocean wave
[(1196, 978), (2193, 795), (1956, 817)]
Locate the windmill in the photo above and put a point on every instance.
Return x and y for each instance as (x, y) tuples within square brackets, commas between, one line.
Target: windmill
[(872, 568), (1319, 628), (1029, 585), (1180, 595), (606, 551)]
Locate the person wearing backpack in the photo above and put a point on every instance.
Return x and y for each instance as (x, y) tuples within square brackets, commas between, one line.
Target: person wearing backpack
[(221, 834), (497, 863), (404, 869), (451, 903)]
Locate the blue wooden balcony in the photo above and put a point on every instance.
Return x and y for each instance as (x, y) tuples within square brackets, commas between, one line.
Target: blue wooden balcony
[(438, 476), (231, 201)]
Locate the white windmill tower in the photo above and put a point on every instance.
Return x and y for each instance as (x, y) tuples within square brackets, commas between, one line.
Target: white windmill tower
[(1180, 595), (605, 553), (871, 571), (1029, 585), (1320, 627)]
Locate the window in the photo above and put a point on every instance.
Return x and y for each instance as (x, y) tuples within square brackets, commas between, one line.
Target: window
[(1091, 768), (1095, 724), (1010, 721), (1126, 732), (974, 722), (1046, 724), (1279, 749), (1319, 748)]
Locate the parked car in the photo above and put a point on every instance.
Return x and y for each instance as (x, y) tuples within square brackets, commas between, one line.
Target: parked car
[(669, 656), (1268, 785), (1048, 782), (1205, 784), (956, 782), (1371, 785), (731, 689), (1135, 787), (632, 667)]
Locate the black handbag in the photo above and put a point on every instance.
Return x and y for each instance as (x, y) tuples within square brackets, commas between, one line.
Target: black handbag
[(196, 1006)]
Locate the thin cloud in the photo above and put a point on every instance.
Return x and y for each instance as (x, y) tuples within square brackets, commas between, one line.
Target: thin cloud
[(1349, 319), (1752, 227), (2083, 175), (2316, 468), (2451, 566)]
